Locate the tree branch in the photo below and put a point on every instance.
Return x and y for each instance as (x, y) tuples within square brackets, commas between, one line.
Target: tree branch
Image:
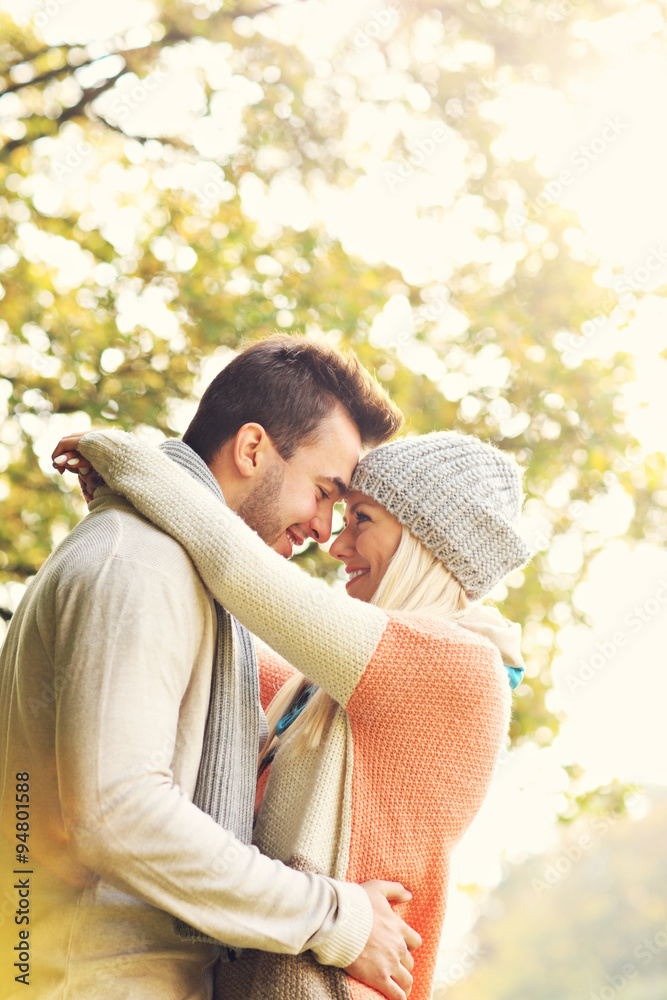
[(75, 111), (35, 55), (129, 55), (177, 143), (89, 95), (49, 75)]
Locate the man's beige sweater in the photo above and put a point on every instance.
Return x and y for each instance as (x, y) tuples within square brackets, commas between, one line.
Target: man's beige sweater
[(104, 687)]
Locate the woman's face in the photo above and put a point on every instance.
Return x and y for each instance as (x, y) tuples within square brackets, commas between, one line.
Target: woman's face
[(370, 539)]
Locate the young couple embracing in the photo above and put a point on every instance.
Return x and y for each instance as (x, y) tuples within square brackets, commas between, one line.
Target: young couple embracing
[(248, 784)]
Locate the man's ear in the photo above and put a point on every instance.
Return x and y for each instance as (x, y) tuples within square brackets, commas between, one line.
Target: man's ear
[(251, 450)]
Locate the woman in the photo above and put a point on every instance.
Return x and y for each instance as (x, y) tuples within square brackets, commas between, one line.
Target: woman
[(378, 772)]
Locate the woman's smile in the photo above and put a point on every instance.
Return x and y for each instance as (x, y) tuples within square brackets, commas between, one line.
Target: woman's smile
[(354, 574)]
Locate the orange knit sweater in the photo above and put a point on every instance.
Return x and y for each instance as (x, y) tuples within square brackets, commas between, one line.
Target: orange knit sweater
[(428, 719)]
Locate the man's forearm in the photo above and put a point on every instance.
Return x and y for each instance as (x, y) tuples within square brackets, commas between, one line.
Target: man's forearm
[(153, 843)]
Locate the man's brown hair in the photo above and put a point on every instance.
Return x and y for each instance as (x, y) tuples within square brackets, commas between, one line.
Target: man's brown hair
[(289, 385)]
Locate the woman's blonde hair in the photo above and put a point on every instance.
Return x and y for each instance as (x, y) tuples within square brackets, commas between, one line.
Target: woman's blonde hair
[(415, 580)]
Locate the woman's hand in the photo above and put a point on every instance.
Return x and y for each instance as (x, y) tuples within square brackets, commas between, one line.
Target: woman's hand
[(66, 458)]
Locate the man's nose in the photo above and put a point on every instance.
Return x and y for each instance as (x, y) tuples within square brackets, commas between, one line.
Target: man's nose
[(320, 527)]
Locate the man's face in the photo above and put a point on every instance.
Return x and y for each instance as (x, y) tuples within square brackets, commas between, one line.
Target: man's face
[(294, 500)]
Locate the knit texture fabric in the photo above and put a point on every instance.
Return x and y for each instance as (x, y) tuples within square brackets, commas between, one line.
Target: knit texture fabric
[(227, 772), (408, 758), (460, 496)]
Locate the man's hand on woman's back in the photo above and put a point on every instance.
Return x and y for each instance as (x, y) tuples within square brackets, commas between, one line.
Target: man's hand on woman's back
[(385, 962)]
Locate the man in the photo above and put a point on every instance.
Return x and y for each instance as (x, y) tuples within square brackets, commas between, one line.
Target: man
[(141, 756)]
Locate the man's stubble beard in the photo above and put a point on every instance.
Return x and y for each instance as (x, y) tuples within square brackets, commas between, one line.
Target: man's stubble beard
[(261, 510)]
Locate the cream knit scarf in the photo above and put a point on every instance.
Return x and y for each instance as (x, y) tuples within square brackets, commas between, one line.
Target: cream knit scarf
[(228, 767)]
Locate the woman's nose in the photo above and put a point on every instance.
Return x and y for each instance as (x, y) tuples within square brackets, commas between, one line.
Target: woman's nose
[(343, 545)]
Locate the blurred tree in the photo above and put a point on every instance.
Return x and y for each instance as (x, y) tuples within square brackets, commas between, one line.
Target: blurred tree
[(589, 919), (132, 250)]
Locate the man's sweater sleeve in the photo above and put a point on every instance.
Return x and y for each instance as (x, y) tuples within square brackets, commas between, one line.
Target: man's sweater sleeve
[(327, 635), (123, 644)]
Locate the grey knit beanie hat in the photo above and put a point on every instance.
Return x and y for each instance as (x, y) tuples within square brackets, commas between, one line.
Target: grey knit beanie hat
[(460, 496)]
